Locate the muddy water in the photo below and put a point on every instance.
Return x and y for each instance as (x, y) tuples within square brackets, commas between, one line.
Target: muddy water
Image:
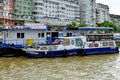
[(95, 67)]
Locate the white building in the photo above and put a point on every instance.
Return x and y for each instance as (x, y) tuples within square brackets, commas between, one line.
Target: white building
[(88, 12), (102, 13), (115, 19), (56, 12)]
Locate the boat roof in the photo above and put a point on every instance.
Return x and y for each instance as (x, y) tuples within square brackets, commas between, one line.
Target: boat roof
[(4, 29), (46, 28), (71, 37), (95, 28)]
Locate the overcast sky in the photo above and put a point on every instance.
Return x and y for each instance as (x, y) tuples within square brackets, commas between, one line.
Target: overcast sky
[(114, 5)]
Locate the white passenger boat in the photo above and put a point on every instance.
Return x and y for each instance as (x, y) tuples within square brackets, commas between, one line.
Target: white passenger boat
[(99, 40)]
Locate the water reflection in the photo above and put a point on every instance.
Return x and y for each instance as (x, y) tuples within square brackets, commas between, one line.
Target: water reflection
[(95, 67)]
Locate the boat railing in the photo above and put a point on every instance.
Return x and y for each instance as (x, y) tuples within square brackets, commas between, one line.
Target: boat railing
[(98, 44), (48, 48), (99, 37), (44, 48), (24, 42)]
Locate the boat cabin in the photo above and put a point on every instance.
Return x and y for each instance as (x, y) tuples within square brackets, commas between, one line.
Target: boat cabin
[(28, 35)]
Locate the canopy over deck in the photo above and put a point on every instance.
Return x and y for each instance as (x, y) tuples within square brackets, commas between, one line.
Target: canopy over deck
[(95, 28)]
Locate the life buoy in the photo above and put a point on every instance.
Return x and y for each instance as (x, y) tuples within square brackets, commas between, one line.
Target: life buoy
[(111, 44), (105, 44), (91, 45), (96, 44)]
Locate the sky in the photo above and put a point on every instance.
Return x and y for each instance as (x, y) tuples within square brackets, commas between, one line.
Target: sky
[(114, 5)]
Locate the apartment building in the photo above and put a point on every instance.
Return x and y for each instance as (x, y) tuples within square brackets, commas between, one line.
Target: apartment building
[(88, 12), (102, 13), (56, 12), (23, 11), (6, 13), (115, 19)]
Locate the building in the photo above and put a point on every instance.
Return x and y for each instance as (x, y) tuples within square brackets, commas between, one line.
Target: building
[(23, 11), (102, 13), (88, 12), (56, 12), (115, 19), (6, 13), (52, 12)]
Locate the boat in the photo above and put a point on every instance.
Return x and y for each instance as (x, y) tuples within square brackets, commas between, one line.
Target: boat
[(10, 51), (16, 38), (99, 40), (117, 38), (61, 47), (94, 41)]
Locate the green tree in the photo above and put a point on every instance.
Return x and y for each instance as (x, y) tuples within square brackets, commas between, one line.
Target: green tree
[(110, 24), (69, 25), (82, 25), (72, 24)]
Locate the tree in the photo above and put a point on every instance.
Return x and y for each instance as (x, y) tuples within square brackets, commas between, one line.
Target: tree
[(69, 25), (72, 24), (109, 24), (82, 25)]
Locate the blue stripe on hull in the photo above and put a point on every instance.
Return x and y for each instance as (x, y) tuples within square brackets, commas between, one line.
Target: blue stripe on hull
[(55, 53), (106, 50), (76, 52)]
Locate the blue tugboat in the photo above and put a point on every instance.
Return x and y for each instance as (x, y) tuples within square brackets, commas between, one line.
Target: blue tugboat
[(61, 47)]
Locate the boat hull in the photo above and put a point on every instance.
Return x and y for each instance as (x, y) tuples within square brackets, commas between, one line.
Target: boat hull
[(59, 53), (105, 50), (76, 52), (11, 52)]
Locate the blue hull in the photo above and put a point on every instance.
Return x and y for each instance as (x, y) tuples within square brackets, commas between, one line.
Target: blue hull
[(62, 53), (106, 50), (75, 52)]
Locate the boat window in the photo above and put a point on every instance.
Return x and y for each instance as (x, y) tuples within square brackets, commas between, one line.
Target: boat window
[(66, 42), (69, 34), (72, 42), (41, 35), (20, 35), (79, 42)]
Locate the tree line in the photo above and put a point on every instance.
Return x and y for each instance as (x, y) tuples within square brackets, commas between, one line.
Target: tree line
[(103, 24)]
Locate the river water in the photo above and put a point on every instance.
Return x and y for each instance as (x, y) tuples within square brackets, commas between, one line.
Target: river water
[(93, 67)]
